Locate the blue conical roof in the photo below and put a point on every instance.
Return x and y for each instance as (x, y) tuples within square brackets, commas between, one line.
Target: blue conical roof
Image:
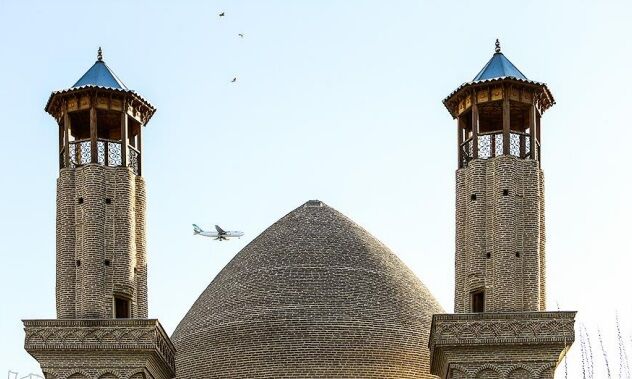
[(100, 75), (499, 67), (101, 78)]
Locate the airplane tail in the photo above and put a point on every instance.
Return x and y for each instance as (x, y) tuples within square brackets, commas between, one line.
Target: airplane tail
[(197, 229)]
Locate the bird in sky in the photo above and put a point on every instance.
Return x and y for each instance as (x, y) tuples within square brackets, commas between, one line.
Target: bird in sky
[(222, 14), (234, 80), (241, 35)]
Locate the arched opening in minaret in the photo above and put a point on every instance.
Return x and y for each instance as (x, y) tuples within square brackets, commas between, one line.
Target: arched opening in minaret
[(121, 307), (478, 301)]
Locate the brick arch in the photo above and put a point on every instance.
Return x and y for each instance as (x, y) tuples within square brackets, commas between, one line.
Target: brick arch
[(457, 373), (547, 372), (109, 374), (457, 369), (488, 372), (138, 375), (79, 375), (520, 373)]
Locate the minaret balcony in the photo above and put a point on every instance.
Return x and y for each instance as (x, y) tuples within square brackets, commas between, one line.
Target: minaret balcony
[(491, 144), (108, 153)]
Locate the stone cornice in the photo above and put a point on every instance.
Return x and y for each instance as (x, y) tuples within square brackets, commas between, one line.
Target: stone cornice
[(502, 328), (110, 334)]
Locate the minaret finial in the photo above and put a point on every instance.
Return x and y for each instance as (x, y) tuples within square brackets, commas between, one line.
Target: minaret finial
[(100, 54), (497, 45)]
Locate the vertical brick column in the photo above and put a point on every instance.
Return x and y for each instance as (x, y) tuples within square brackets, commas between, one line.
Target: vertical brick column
[(124, 187), (533, 249), (65, 245), (500, 179), (460, 242), (542, 240), (141, 248), (500, 235), (90, 218), (472, 226), (100, 242)]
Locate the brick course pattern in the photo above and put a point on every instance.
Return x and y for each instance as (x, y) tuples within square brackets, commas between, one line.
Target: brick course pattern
[(313, 296), (100, 244), (500, 250), (500, 345), (101, 257), (500, 235), (99, 349)]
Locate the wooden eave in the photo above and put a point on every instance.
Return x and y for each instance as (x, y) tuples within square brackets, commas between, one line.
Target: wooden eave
[(54, 103), (543, 96)]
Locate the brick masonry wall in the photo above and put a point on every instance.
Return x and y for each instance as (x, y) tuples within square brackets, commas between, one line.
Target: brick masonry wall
[(313, 296), (500, 345), (65, 246), (141, 249), (99, 349), (509, 227), (106, 225)]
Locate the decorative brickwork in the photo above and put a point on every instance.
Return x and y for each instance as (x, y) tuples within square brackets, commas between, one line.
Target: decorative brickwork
[(313, 296), (503, 345), (94, 349), (500, 235), (101, 330), (500, 329), (500, 253), (100, 241)]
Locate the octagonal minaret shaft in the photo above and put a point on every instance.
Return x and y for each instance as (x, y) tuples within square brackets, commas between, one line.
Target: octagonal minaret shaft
[(101, 330), (500, 236), (500, 328), (101, 257)]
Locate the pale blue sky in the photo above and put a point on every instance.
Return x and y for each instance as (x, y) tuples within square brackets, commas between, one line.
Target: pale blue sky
[(335, 100)]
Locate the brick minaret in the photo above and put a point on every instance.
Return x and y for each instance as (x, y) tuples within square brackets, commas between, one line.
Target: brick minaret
[(500, 328), (101, 288)]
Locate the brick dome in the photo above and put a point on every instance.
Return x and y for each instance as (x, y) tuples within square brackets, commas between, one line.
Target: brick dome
[(313, 296)]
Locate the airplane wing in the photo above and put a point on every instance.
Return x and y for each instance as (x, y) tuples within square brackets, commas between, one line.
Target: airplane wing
[(220, 230)]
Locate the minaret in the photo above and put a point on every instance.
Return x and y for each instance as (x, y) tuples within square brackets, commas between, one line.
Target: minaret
[(499, 191), (501, 328), (101, 330)]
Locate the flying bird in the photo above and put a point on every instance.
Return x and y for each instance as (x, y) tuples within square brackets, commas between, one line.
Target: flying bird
[(222, 14), (234, 80), (241, 35)]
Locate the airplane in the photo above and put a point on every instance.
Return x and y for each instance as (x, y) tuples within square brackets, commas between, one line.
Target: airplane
[(220, 234)]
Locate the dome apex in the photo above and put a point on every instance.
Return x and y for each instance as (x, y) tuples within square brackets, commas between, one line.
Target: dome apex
[(314, 203), (314, 295)]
